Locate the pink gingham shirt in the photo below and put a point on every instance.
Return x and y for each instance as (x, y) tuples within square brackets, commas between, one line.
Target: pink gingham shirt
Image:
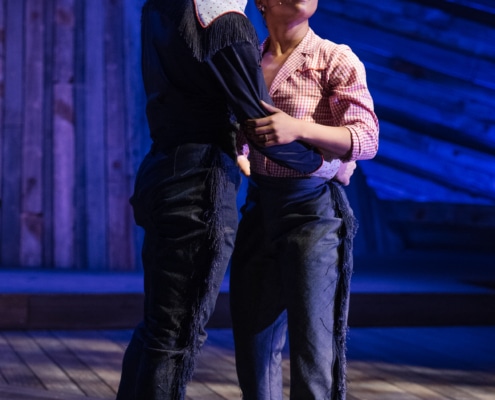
[(319, 70)]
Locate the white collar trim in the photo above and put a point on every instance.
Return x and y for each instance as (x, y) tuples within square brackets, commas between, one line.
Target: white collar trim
[(209, 10)]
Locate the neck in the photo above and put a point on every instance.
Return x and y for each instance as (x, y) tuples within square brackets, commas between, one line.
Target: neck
[(284, 38)]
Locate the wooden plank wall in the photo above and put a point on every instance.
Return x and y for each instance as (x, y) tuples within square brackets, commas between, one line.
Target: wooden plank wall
[(72, 133), (73, 129), (431, 71)]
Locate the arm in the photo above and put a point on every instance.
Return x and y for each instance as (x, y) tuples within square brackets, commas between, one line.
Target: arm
[(281, 128), (238, 71), (354, 131)]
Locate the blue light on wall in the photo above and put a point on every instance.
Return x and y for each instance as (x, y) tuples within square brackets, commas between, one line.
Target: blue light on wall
[(430, 67)]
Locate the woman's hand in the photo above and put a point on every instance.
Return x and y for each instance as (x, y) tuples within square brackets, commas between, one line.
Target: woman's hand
[(281, 128), (278, 128), (345, 172)]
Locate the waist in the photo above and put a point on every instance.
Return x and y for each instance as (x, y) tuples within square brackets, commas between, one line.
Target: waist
[(291, 183), (261, 165)]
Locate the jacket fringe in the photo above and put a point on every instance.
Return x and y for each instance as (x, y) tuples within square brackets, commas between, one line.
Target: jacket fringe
[(205, 42), (342, 296)]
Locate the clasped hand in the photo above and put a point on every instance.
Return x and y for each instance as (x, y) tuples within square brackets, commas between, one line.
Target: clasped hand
[(278, 128)]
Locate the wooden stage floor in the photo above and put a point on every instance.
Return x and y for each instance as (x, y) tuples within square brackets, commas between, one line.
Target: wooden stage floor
[(385, 363), (421, 328)]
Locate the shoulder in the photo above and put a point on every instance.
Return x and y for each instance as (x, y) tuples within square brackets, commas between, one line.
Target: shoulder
[(227, 30), (336, 59), (232, 27), (327, 50)]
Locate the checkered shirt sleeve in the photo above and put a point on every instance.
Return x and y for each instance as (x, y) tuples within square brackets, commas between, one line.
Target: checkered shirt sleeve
[(328, 88)]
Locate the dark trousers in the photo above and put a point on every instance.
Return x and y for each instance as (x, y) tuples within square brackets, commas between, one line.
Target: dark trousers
[(186, 202), (290, 273)]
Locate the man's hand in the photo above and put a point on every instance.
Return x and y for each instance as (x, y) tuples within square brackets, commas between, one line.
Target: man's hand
[(345, 172), (244, 165)]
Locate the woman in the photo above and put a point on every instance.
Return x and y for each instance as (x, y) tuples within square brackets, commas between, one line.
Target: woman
[(200, 65), (292, 259)]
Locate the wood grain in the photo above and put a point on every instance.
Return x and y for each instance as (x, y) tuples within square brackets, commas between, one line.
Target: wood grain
[(424, 363), (73, 127)]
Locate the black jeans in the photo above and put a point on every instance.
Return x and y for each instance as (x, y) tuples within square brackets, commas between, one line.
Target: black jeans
[(291, 273), (186, 202)]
